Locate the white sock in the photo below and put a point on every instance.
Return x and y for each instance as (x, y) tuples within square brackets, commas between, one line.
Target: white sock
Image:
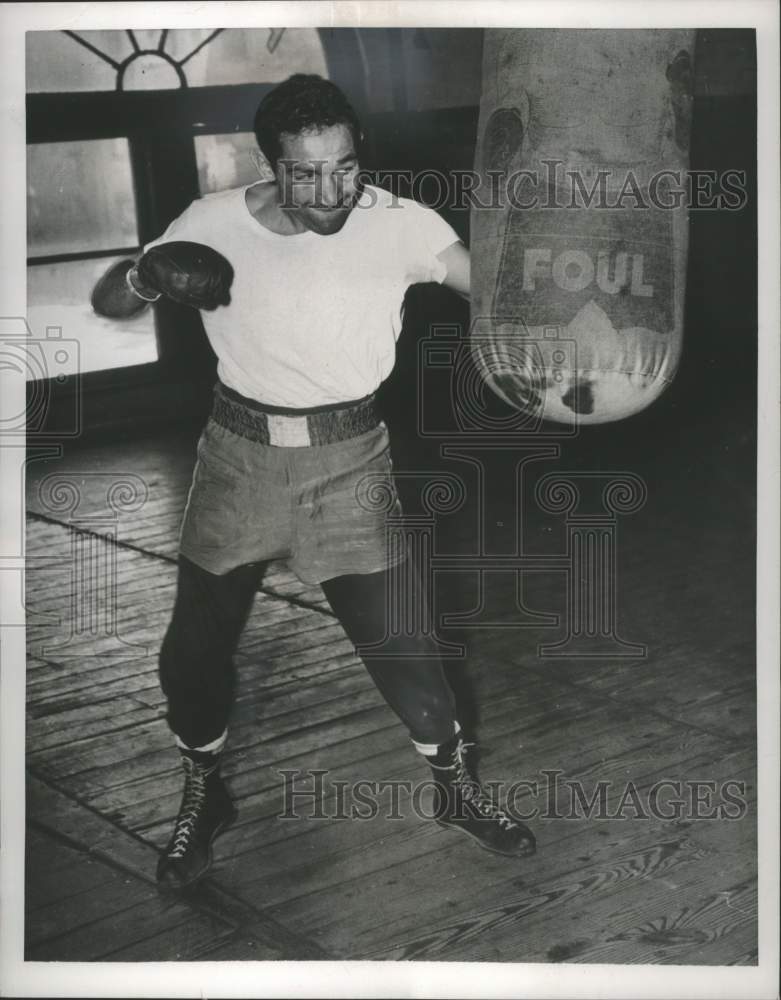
[(214, 747), (430, 749)]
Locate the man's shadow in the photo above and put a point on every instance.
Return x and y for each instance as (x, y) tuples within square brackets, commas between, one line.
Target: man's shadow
[(426, 305)]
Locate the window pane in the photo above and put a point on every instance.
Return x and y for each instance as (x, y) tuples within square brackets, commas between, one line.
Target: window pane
[(56, 62), (147, 38), (58, 295), (182, 42), (79, 197), (150, 71), (255, 55), (228, 161)]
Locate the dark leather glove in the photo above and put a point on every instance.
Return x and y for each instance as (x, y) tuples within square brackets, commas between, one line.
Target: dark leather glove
[(189, 273), (111, 297)]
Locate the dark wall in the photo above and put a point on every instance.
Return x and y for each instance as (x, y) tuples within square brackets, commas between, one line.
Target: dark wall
[(718, 367)]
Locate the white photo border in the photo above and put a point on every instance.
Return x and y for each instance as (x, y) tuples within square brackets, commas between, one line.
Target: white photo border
[(423, 979)]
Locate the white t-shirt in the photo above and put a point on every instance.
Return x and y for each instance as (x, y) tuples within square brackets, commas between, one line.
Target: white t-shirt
[(313, 319)]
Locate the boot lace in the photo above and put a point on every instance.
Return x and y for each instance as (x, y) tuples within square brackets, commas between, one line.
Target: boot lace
[(192, 802), (473, 791)]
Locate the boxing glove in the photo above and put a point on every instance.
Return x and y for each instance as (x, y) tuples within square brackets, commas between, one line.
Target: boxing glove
[(189, 273), (110, 296)]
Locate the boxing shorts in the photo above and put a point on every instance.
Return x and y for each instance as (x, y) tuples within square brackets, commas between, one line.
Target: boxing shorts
[(312, 488)]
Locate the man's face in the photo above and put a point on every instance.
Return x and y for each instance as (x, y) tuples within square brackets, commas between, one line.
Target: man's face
[(317, 175)]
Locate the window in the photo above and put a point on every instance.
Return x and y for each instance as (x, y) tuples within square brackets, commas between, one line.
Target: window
[(79, 197), (58, 295), (81, 217), (230, 160), (125, 129), (81, 61)]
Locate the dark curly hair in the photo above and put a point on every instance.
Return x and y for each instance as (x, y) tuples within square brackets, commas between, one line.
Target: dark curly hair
[(301, 103)]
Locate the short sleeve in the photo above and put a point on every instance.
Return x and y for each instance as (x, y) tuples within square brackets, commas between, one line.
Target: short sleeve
[(426, 235), (184, 227)]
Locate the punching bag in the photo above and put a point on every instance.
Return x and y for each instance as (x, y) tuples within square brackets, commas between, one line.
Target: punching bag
[(579, 230)]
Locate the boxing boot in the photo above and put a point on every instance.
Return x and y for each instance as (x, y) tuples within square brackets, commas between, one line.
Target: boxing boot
[(462, 804), (206, 811)]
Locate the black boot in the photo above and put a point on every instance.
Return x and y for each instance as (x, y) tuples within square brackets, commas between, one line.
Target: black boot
[(206, 810), (462, 804)]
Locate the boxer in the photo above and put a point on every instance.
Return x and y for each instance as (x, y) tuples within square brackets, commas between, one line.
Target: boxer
[(301, 282)]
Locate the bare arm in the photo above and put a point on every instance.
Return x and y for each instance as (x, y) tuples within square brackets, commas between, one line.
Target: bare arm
[(456, 260)]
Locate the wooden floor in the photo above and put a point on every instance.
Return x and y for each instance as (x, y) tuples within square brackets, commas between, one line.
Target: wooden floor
[(104, 782)]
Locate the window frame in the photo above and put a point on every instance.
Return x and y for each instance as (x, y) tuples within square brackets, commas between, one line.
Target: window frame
[(160, 128)]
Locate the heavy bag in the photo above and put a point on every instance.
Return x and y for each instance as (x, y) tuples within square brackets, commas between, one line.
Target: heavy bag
[(579, 225)]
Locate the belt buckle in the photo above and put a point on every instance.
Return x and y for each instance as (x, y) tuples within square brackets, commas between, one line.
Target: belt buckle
[(288, 432)]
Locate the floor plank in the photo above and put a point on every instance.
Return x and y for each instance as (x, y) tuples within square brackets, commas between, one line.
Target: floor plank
[(104, 779)]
